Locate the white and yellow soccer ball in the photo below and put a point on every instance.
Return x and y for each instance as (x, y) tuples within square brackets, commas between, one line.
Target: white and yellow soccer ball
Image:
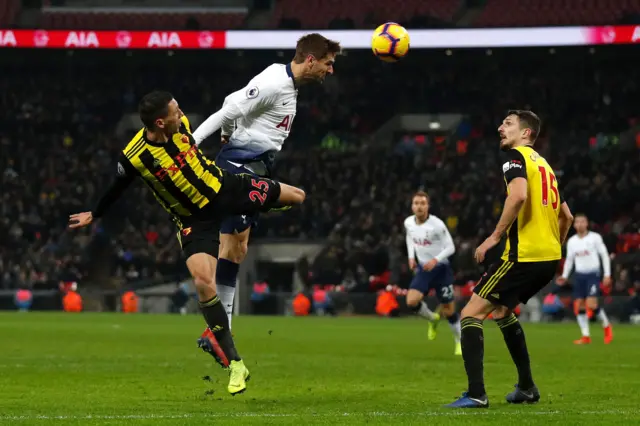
[(390, 42)]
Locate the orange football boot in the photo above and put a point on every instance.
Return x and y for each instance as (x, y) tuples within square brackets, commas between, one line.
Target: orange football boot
[(608, 334)]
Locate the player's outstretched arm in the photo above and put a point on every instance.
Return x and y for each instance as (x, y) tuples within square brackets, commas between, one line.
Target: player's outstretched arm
[(241, 103), (222, 119), (124, 177)]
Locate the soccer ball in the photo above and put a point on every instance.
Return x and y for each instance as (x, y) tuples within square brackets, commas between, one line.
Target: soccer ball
[(390, 42)]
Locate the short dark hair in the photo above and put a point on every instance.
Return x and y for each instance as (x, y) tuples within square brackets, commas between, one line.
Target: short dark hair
[(528, 120), (317, 45), (420, 194), (580, 215), (154, 105)]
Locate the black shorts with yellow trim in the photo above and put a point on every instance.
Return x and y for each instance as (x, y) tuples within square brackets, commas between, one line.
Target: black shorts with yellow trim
[(200, 237), (511, 283)]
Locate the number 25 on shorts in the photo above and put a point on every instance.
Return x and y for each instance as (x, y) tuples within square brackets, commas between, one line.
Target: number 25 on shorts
[(261, 195)]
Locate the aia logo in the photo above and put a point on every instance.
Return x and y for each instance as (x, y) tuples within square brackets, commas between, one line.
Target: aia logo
[(180, 161), (164, 39), (82, 39), (8, 38), (422, 242), (286, 123), (583, 253)]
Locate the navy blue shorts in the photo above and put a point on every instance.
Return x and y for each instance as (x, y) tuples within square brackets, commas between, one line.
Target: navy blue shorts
[(439, 278), (238, 223), (586, 285)]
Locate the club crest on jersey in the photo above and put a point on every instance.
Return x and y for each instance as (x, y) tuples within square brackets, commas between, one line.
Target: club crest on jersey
[(252, 92)]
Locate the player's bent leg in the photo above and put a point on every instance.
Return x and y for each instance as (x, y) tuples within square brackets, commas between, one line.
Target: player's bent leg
[(416, 303), (599, 312), (233, 250), (290, 195), (525, 390), (448, 310), (580, 311)]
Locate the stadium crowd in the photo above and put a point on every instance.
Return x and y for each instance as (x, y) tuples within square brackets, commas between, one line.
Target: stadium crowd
[(58, 148)]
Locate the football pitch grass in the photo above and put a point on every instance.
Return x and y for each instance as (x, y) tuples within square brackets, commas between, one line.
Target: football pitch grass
[(116, 369)]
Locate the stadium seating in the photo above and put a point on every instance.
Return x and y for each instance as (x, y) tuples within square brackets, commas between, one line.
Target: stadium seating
[(319, 13), (8, 11), (504, 13), (141, 21), (357, 194)]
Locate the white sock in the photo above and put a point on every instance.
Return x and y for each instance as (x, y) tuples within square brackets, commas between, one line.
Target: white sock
[(604, 319), (583, 322), (424, 311), (455, 329), (226, 295)]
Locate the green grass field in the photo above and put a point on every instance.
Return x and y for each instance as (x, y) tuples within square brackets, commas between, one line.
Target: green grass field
[(112, 369)]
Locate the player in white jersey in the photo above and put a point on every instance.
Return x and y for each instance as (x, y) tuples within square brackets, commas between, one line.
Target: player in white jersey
[(429, 241), (586, 252), (254, 123)]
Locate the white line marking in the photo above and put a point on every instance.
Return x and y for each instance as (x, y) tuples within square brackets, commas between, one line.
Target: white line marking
[(303, 415)]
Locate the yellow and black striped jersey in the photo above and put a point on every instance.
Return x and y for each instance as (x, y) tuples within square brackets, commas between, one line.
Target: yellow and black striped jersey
[(180, 177), (534, 236)]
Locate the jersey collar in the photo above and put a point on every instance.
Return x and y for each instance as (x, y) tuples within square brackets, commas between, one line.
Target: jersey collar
[(290, 74), (415, 219), (156, 144)]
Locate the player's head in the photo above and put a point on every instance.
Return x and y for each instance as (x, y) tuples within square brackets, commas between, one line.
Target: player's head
[(316, 54), (420, 205), (581, 223), (159, 111), (519, 128)]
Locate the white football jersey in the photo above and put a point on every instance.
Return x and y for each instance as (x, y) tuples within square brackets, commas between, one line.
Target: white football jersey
[(586, 253), (428, 240), (268, 106)]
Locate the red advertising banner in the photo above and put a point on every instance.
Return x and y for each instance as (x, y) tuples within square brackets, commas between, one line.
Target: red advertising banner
[(113, 39), (350, 39)]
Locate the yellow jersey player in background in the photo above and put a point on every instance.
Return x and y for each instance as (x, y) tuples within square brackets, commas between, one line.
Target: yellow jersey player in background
[(535, 221), (198, 195)]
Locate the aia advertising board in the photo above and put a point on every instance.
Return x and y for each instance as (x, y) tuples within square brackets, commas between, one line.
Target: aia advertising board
[(350, 39)]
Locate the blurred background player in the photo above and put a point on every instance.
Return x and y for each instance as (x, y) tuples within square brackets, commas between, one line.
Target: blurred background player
[(429, 240), (255, 121), (197, 194), (586, 251), (535, 221)]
